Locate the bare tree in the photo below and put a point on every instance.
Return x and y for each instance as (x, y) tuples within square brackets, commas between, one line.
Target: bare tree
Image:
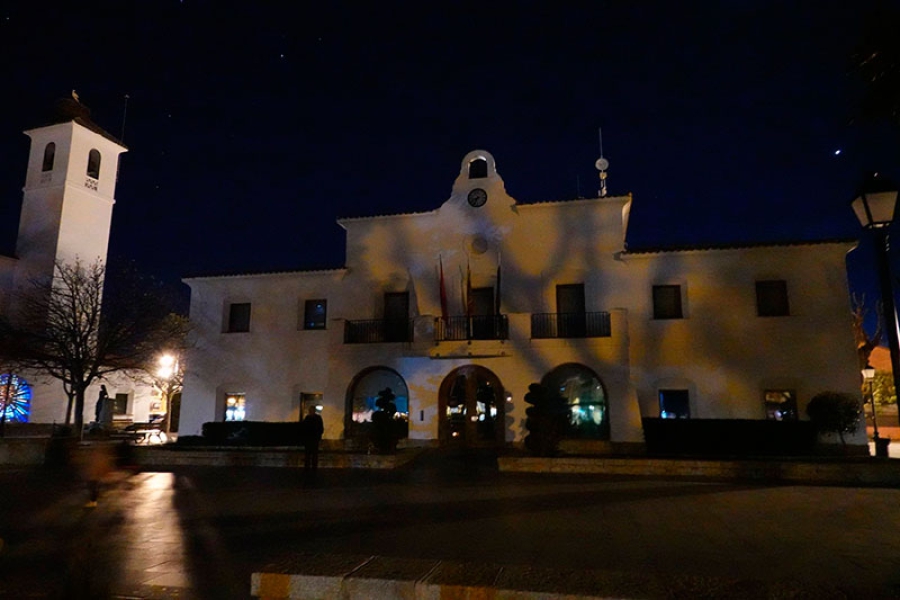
[(865, 343), (66, 327), (876, 63)]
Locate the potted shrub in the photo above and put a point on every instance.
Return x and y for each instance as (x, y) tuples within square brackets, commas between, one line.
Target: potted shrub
[(547, 420), (384, 427)]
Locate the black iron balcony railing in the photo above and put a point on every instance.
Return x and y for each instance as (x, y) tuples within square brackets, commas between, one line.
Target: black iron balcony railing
[(481, 327), (378, 330), (570, 325)]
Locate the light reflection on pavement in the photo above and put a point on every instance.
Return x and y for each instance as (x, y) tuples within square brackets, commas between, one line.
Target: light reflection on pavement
[(132, 545)]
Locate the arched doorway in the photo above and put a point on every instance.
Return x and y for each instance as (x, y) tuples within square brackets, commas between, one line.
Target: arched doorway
[(361, 397), (471, 408), (588, 406)]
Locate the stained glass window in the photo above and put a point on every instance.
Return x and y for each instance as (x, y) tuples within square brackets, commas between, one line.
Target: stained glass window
[(15, 398)]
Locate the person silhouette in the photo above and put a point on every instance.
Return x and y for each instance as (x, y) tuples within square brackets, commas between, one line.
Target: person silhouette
[(313, 429), (101, 409)]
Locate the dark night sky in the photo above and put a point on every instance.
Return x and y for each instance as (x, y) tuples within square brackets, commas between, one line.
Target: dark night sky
[(252, 126)]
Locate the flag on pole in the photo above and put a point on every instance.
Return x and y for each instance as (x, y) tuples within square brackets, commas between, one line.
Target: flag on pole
[(443, 292), (470, 299), (497, 295)]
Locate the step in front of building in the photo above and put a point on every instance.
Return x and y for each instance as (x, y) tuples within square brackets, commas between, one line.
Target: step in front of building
[(323, 576)]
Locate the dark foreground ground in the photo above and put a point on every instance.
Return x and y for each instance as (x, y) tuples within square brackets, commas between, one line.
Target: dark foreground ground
[(199, 532)]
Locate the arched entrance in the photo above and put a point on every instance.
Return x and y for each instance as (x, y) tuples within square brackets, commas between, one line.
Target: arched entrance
[(361, 397), (584, 393), (471, 408)]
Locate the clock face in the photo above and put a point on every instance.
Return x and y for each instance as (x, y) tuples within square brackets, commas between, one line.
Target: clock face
[(477, 197)]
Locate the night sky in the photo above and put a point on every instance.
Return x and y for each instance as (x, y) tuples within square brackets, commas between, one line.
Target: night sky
[(252, 126)]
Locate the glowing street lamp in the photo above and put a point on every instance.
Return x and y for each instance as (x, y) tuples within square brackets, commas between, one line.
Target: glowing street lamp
[(874, 207), (166, 366), (166, 375)]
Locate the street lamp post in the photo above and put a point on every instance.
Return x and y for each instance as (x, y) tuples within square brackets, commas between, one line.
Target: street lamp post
[(168, 367), (881, 444), (874, 207)]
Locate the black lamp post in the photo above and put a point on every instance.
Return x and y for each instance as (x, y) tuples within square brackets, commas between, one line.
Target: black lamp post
[(874, 207), (881, 444)]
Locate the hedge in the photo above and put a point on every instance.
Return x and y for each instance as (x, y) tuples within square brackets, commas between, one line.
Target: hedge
[(729, 437)]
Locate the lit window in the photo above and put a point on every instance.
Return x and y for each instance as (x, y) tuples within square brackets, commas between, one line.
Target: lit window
[(314, 314), (93, 168), (781, 405), (586, 399), (238, 317), (235, 407), (772, 298), (478, 169), (49, 156), (674, 404), (667, 302)]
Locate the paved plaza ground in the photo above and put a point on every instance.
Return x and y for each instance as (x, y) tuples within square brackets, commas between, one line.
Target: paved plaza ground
[(199, 532)]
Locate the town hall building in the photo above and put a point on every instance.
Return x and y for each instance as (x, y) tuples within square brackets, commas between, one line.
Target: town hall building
[(459, 309)]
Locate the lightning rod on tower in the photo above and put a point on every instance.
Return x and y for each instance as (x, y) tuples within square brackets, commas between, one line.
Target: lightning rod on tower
[(602, 165)]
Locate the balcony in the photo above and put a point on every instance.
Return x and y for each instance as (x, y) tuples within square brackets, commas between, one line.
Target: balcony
[(378, 331), (481, 327), (570, 325)]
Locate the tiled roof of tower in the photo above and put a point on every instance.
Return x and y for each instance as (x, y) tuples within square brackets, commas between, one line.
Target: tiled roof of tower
[(70, 109)]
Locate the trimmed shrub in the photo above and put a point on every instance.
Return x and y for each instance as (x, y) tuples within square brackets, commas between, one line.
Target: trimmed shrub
[(834, 412), (547, 420), (385, 428), (729, 437), (252, 433)]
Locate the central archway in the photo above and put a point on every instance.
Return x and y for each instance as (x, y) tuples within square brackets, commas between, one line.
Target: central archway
[(362, 395), (471, 408)]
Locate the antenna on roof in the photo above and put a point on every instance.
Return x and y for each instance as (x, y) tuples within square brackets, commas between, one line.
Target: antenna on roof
[(124, 115), (122, 136), (602, 165)]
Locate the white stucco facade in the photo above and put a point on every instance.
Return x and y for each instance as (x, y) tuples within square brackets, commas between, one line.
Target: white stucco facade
[(570, 298), (67, 205)]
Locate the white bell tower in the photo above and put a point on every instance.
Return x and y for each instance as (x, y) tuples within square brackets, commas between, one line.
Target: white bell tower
[(69, 192)]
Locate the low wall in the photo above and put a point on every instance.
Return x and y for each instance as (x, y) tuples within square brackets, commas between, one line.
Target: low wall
[(23, 451), (265, 457), (866, 471)]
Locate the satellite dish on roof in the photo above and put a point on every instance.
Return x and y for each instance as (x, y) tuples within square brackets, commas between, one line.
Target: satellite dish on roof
[(602, 164)]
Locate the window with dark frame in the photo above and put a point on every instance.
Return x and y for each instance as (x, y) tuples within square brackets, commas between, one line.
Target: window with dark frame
[(396, 317), (667, 302), (314, 314), (674, 404), (239, 317), (119, 404), (570, 308), (772, 298)]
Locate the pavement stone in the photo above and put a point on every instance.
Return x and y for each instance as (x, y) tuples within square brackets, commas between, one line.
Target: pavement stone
[(465, 531)]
